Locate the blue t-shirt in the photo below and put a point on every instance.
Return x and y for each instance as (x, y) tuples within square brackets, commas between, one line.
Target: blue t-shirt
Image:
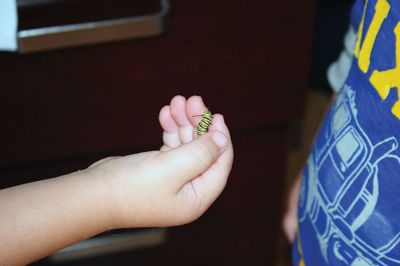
[(349, 205)]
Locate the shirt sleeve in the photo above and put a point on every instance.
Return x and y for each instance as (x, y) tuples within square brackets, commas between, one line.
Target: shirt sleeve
[(338, 71)]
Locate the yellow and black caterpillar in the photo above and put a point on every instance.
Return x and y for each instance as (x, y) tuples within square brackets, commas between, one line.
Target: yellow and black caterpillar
[(205, 122)]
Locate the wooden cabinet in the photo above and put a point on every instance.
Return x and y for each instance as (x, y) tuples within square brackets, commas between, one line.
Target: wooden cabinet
[(61, 110)]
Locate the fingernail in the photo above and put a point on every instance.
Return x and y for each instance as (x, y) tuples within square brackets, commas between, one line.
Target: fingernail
[(220, 139)]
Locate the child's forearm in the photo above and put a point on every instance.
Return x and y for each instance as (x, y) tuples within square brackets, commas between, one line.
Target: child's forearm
[(42, 217)]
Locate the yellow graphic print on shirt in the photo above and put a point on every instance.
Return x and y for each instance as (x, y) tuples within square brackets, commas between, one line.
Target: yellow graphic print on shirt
[(382, 80)]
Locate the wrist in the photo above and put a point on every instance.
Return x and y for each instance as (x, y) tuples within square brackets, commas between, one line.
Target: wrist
[(102, 204)]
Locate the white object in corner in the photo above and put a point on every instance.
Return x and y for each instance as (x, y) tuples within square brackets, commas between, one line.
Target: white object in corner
[(8, 25)]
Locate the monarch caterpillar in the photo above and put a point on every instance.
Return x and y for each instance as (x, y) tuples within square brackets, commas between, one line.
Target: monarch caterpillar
[(205, 122)]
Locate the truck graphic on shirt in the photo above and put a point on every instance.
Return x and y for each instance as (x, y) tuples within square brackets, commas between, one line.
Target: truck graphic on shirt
[(340, 191)]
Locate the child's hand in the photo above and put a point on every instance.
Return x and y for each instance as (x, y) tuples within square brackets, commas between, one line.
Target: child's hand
[(289, 222), (176, 184)]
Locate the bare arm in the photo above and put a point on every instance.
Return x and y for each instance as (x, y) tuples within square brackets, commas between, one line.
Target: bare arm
[(41, 217)]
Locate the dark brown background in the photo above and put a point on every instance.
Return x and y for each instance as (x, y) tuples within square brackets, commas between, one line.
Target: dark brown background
[(62, 110)]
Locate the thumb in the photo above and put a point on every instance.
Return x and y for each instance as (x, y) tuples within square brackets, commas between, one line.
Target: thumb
[(191, 159)]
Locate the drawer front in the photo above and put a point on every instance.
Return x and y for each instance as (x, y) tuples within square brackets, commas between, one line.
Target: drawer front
[(63, 109), (106, 98)]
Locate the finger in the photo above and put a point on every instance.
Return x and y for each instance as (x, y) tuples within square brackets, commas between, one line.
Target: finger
[(190, 160), (290, 219), (195, 109), (171, 130), (168, 124), (219, 125), (178, 112), (289, 227)]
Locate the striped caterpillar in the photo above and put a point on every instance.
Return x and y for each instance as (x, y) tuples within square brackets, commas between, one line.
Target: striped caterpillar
[(205, 122)]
